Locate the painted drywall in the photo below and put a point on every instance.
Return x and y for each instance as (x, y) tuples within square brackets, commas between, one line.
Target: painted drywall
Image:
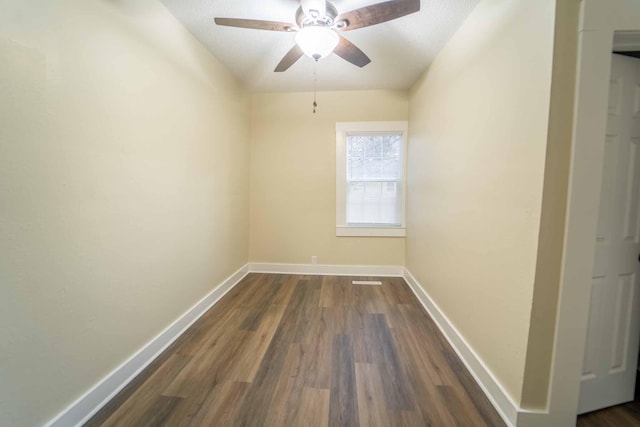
[(123, 190), (552, 223), (293, 177), (477, 146)]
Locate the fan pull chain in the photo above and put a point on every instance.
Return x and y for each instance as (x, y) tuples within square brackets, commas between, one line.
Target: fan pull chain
[(315, 85)]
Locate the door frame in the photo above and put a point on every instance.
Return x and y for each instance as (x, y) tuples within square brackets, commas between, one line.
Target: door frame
[(599, 20)]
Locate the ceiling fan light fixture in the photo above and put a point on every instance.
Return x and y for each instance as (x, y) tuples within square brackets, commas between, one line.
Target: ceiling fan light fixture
[(317, 41)]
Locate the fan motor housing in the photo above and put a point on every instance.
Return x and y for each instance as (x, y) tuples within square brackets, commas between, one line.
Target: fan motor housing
[(304, 20)]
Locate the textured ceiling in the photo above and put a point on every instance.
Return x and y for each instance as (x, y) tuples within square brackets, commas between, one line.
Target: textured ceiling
[(400, 50)]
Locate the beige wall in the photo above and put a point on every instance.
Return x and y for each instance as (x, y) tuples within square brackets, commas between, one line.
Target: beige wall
[(123, 190), (478, 134), (293, 177)]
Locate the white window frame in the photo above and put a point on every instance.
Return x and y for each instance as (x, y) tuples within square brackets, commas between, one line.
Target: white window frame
[(343, 129)]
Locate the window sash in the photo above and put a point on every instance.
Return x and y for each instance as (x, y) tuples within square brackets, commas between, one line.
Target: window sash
[(373, 206)]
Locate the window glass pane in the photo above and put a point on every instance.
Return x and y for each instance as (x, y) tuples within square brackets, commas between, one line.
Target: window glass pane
[(377, 202), (371, 157), (374, 170)]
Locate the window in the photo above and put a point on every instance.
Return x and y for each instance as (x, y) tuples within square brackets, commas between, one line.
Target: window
[(370, 159)]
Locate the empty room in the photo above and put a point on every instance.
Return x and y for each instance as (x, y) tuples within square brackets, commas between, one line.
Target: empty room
[(319, 213)]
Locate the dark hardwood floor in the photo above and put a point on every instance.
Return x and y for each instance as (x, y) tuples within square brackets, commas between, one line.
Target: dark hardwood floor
[(288, 350), (626, 415)]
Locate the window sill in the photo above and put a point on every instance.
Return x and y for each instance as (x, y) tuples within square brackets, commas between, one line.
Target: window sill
[(370, 231)]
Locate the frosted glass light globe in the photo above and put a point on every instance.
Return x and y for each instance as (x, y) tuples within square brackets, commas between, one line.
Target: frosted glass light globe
[(317, 41)]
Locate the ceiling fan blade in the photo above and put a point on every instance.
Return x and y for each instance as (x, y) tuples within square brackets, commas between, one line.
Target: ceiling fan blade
[(350, 52), (256, 24), (376, 14), (289, 59)]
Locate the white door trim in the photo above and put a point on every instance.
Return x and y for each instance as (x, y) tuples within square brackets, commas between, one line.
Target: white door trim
[(599, 20)]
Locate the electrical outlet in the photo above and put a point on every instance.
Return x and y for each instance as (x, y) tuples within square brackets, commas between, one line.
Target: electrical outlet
[(314, 259)]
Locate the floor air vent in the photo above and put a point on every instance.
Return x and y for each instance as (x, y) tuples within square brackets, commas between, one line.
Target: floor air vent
[(366, 282)]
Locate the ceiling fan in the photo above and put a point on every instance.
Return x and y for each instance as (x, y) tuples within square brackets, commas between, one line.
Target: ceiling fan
[(318, 25)]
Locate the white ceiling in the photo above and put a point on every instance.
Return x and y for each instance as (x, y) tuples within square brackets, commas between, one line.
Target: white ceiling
[(400, 50)]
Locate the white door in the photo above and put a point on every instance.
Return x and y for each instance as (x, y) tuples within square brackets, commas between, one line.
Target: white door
[(611, 353)]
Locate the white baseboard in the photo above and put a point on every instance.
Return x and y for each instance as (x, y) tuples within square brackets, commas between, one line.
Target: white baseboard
[(328, 270), (492, 388), (93, 400)]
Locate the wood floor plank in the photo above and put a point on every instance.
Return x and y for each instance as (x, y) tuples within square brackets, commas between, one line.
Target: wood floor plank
[(247, 363), (392, 299), (428, 400), (372, 408), (197, 384), (301, 350), (343, 405), (289, 283), (412, 419), (327, 290), (317, 346), (401, 291), (204, 336), (314, 408), (431, 363), (465, 416), (221, 406), (210, 365), (363, 336), (159, 411), (307, 307), (472, 390), (625, 415), (440, 364), (258, 399), (337, 291), (261, 302), (143, 398), (286, 396), (395, 385)]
